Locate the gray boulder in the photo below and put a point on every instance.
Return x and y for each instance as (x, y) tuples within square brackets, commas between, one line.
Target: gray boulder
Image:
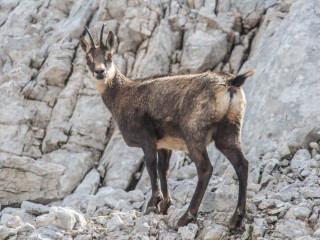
[(300, 159), (154, 58), (252, 11), (72, 176), (282, 93), (119, 162), (137, 25), (6, 233), (23, 178), (203, 49), (34, 208), (11, 221), (188, 232), (291, 229)]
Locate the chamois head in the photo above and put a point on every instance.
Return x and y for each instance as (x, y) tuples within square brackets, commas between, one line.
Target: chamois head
[(99, 58)]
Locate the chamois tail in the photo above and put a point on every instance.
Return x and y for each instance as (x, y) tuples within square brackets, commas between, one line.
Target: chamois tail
[(239, 80)]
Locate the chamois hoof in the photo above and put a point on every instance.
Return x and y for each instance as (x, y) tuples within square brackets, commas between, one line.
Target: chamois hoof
[(236, 220), (186, 219), (153, 204), (164, 206), (151, 209)]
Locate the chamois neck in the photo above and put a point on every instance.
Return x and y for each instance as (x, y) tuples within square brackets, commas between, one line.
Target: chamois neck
[(117, 78), (112, 88)]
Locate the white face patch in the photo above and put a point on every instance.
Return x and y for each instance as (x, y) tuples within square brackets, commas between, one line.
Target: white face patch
[(102, 83), (111, 71), (99, 83)]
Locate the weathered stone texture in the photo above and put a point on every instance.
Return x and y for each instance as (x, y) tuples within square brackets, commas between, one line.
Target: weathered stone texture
[(59, 144), (24, 178), (281, 95)]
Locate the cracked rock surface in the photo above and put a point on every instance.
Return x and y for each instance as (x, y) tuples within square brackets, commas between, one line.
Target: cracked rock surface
[(65, 170)]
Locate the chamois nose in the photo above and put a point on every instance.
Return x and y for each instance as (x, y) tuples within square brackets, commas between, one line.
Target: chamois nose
[(99, 72)]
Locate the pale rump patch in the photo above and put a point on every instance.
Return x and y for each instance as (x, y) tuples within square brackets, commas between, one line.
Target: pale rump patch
[(237, 106), (222, 103), (172, 143)]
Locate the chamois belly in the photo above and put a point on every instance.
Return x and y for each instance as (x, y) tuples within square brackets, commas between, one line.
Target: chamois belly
[(172, 143)]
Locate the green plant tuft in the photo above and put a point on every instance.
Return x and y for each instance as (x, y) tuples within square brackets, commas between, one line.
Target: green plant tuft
[(61, 143), (9, 236), (230, 232), (259, 178), (250, 232)]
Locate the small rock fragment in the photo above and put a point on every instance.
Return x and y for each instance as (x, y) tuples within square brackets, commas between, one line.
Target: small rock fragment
[(114, 223), (11, 221), (34, 208), (27, 227), (188, 232)]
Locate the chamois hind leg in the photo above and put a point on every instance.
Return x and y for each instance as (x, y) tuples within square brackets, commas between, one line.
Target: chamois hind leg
[(200, 157), (164, 157), (150, 154), (230, 146)]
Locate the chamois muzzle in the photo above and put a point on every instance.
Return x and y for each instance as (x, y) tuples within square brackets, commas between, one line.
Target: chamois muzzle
[(100, 74)]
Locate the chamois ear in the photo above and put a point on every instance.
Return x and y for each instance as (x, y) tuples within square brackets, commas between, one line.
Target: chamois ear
[(84, 44), (110, 41)]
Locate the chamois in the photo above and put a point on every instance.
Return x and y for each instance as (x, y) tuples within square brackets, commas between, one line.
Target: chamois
[(183, 112)]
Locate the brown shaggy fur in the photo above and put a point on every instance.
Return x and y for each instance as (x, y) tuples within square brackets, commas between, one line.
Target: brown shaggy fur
[(184, 112)]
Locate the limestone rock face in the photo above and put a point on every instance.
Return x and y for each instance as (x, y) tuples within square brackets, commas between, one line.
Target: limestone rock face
[(252, 11), (203, 50), (282, 93), (66, 171), (120, 162), (72, 175), (155, 57), (24, 178), (137, 25)]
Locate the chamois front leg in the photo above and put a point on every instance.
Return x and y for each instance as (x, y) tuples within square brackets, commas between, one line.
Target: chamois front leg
[(150, 154), (164, 157), (200, 157)]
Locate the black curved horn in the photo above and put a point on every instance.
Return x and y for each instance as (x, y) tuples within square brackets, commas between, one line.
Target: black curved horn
[(101, 35), (91, 39)]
